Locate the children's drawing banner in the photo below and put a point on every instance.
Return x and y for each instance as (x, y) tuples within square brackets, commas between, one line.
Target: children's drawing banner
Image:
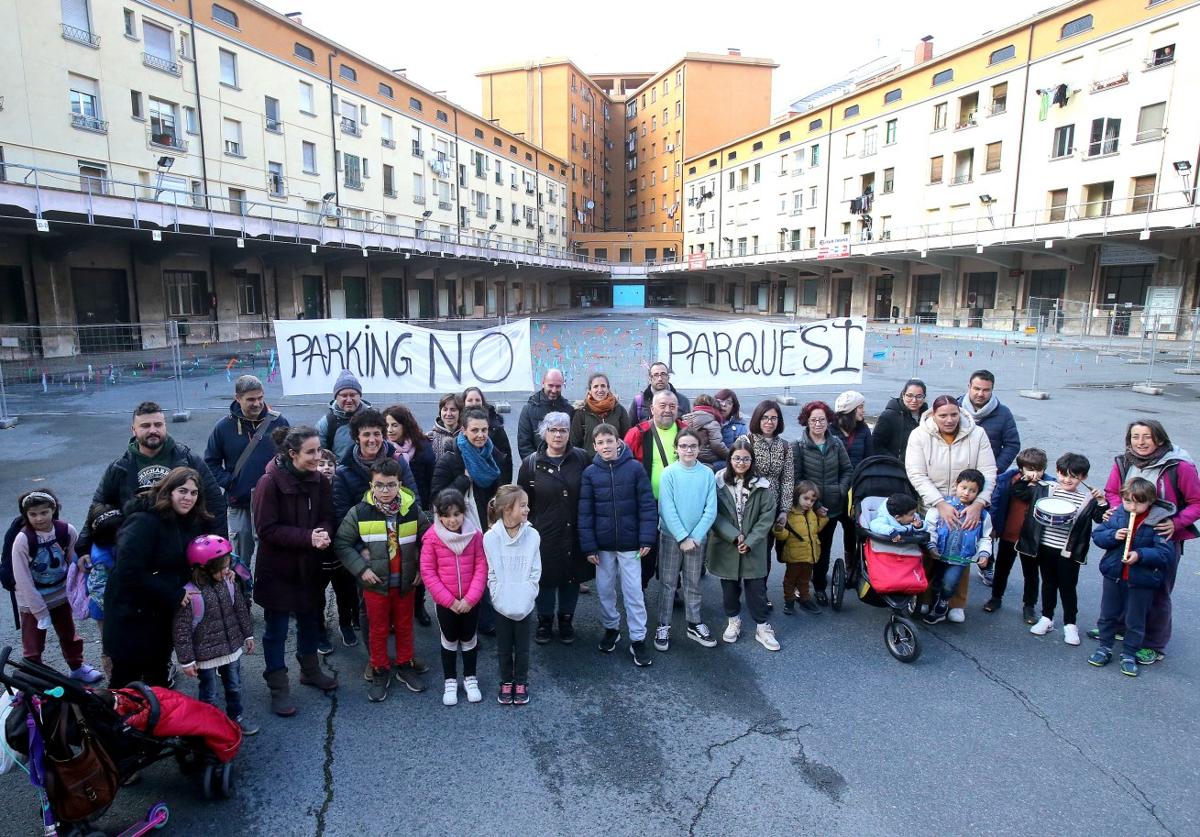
[(708, 355), (388, 356)]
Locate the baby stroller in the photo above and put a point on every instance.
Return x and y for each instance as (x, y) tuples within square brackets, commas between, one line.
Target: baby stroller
[(80, 744), (891, 574)]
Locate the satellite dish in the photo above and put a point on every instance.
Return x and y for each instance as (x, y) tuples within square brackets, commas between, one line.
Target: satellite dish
[(591, 204)]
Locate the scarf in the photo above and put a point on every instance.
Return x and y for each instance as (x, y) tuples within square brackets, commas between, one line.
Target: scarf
[(285, 462), (480, 464), (367, 463), (1144, 462), (389, 509), (456, 542), (406, 449), (602, 407), (983, 412)]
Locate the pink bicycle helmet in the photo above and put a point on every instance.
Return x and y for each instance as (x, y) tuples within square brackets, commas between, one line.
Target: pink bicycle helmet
[(207, 547)]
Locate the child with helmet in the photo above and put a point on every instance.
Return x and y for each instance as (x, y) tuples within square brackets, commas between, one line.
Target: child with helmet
[(214, 627)]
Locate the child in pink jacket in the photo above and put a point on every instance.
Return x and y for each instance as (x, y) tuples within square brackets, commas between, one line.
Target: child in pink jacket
[(454, 569)]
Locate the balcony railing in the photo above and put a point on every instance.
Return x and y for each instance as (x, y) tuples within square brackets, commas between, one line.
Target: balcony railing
[(999, 106), (350, 126), (444, 205), (89, 123), (960, 179), (967, 120), (387, 142), (166, 140), (80, 36), (1110, 82), (275, 126), (420, 199), (1103, 147), (163, 64)]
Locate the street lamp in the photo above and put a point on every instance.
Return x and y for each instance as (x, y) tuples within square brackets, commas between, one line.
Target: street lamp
[(1183, 168)]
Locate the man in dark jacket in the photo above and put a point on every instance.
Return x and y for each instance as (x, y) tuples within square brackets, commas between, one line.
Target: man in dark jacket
[(981, 404), (660, 381), (548, 399), (151, 455), (238, 451), (333, 428)]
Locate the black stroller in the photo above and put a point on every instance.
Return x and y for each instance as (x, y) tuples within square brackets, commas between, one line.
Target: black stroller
[(897, 567), (78, 748)]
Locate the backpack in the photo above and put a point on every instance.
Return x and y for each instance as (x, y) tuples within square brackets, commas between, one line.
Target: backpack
[(333, 423), (1172, 479), (197, 599), (61, 534)]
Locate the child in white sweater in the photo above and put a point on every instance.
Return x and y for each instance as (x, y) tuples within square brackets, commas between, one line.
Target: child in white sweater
[(514, 565)]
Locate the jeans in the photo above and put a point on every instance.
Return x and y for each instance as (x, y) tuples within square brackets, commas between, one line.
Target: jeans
[(242, 536), (1122, 604), (949, 576), (625, 567), (512, 647), (756, 598), (1006, 556), (567, 596), (275, 632), (671, 559), (231, 678)]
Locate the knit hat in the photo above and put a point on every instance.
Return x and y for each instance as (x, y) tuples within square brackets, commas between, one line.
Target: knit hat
[(346, 380), (848, 401)]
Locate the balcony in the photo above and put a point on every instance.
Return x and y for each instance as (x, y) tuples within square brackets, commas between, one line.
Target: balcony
[(168, 140), (1102, 148), (389, 193), (960, 179), (163, 64), (274, 126), (480, 213), (443, 204), (420, 199), (276, 186), (80, 36), (967, 120), (89, 123), (998, 107), (351, 127), (1110, 82), (387, 142), (418, 151)]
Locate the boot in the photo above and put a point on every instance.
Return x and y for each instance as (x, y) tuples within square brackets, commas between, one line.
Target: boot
[(566, 630), (542, 635), (311, 673), (281, 699)]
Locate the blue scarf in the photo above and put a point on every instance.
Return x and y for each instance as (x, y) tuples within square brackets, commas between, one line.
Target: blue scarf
[(481, 465)]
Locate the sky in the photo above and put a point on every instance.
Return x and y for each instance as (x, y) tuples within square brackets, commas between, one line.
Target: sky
[(442, 47)]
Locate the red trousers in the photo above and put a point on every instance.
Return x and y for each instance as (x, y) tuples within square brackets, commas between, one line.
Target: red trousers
[(33, 640), (387, 614)]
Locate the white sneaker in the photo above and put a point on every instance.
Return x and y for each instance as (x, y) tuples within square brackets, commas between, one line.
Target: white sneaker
[(471, 684), (733, 630), (957, 614), (765, 635), (662, 637), (1044, 626), (86, 674), (450, 695), (1071, 634)]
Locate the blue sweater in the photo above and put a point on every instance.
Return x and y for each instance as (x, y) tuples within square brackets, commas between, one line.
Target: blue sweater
[(687, 501)]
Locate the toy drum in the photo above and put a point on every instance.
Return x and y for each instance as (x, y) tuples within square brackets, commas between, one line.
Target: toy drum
[(1051, 511)]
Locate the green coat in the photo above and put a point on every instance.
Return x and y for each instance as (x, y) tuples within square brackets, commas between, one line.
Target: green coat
[(365, 524), (722, 557)]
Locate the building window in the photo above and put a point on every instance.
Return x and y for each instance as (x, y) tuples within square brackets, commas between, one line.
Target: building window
[(386, 90), (1150, 122), (892, 96), (1143, 193), (1097, 199), (415, 104), (135, 104), (163, 130), (757, 146), (442, 116), (785, 136), (815, 125), (870, 141), (186, 292), (130, 23), (389, 181), (999, 98), (305, 52), (307, 99), (275, 182), (85, 103), (1064, 142), (249, 292), (308, 152), (814, 156), (223, 15), (271, 108), (1002, 54), (229, 73), (1056, 203), (850, 112), (1105, 137), (935, 170), (943, 77), (160, 48), (348, 73), (231, 132), (889, 132), (889, 181), (941, 112), (1163, 55), (981, 290), (992, 161), (352, 171), (1074, 27)]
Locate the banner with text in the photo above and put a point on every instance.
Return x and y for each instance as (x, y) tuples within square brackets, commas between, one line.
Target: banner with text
[(756, 354), (388, 356)]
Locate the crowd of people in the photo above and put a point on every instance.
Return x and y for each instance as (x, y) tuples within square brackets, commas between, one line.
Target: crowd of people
[(176, 546)]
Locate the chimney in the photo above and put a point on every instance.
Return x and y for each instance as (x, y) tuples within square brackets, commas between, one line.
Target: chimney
[(734, 51), (294, 17), (924, 50)]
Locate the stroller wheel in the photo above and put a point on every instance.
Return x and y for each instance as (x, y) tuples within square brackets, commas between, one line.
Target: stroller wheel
[(225, 780), (837, 584), (900, 635), (207, 776)]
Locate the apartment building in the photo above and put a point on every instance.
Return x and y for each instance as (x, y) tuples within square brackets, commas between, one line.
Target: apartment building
[(1047, 165), (236, 121)]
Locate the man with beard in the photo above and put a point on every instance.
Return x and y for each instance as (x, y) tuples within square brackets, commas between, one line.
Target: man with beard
[(151, 455), (333, 428), (660, 381)]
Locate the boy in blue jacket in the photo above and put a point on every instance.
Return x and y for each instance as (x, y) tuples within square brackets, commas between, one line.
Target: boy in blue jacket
[(1134, 565), (618, 524)]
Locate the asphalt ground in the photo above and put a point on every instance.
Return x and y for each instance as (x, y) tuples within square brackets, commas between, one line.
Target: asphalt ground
[(992, 730)]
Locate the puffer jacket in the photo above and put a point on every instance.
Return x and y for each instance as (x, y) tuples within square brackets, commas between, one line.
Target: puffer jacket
[(894, 426), (617, 509), (933, 466), (829, 469), (351, 479), (513, 569), (706, 423), (721, 555), (1155, 554), (365, 524), (859, 444), (333, 428), (584, 422), (449, 575), (223, 629), (799, 537)]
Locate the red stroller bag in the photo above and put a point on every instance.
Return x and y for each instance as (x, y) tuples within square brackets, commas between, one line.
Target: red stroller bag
[(896, 571)]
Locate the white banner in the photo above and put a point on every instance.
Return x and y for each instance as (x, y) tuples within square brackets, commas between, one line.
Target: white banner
[(388, 356), (754, 354)]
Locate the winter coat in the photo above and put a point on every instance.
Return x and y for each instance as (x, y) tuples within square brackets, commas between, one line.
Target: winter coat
[(441, 439), (287, 508), (351, 479), (333, 428), (722, 558), (1079, 539), (893, 428), (617, 510), (123, 478), (1155, 554), (501, 444), (222, 632), (449, 576), (146, 584), (829, 469), (1001, 429), (639, 410), (513, 569), (584, 422), (365, 525), (1175, 470), (41, 567), (799, 537), (554, 511), (422, 464), (705, 423), (859, 444), (775, 461), (933, 466), (731, 428), (226, 443), (535, 409), (451, 472)]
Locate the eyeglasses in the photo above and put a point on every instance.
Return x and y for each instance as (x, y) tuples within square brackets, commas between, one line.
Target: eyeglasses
[(688, 447), (740, 459), (913, 396), (818, 420), (385, 486), (769, 418), (724, 402), (556, 430)]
